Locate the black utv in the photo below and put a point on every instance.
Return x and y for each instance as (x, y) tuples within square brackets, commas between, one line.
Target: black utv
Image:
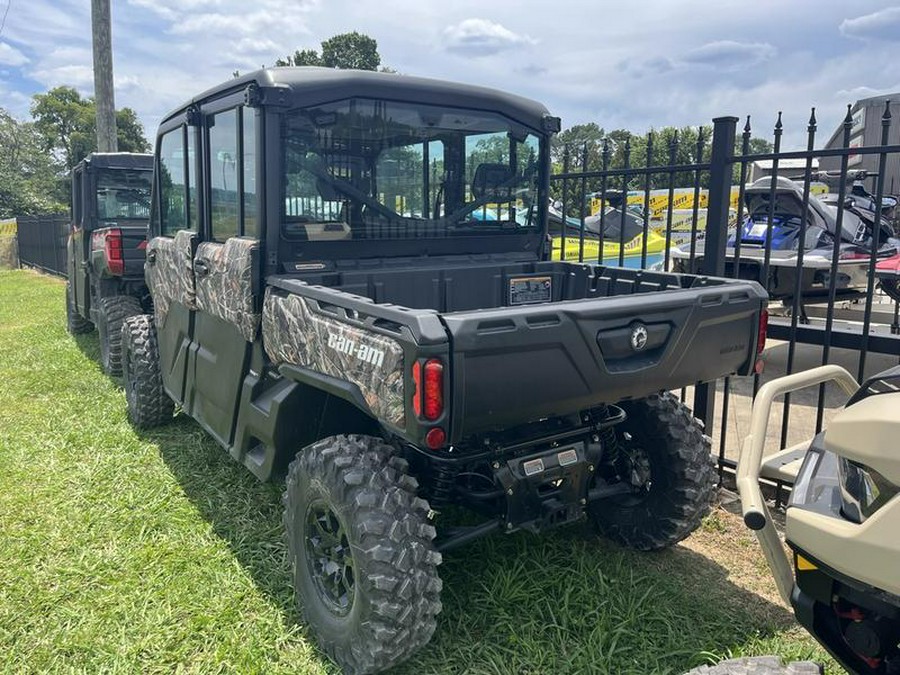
[(107, 238), (352, 288)]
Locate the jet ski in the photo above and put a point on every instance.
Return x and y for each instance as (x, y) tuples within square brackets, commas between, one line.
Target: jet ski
[(620, 235), (888, 274), (783, 235)]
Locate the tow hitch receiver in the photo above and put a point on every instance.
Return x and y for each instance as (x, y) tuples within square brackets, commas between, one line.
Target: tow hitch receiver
[(549, 487)]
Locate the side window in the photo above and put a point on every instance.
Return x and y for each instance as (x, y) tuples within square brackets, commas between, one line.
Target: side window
[(248, 166), (223, 175), (193, 180), (76, 196), (172, 205)]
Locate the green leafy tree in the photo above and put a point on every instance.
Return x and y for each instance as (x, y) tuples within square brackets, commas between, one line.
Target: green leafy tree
[(351, 50), (64, 119), (346, 51), (29, 182), (301, 57), (67, 124), (130, 132)]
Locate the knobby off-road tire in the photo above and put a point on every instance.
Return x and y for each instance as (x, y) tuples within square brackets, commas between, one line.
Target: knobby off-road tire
[(759, 665), (359, 541), (148, 404), (75, 323), (661, 438), (110, 316)]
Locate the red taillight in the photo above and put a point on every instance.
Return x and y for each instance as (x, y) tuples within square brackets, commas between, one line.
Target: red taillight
[(417, 388), (110, 240), (763, 327), (434, 389), (435, 438)]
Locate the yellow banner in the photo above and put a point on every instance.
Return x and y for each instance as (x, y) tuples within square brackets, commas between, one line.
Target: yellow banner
[(8, 228), (683, 198)]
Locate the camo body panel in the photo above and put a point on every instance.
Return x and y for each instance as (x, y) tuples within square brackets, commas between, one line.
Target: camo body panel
[(226, 292), (171, 277), (296, 333)]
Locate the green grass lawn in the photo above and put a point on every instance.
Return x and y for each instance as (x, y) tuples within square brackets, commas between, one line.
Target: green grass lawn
[(155, 552)]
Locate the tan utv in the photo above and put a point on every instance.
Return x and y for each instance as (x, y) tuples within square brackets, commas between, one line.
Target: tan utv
[(842, 576)]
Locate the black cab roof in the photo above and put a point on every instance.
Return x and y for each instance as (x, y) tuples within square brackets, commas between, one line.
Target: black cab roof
[(310, 86), (117, 160)]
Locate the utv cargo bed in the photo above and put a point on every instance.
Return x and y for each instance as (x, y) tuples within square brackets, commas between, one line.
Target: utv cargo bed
[(528, 341)]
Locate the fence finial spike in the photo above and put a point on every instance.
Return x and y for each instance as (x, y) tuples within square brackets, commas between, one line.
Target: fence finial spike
[(812, 117), (887, 111), (778, 124), (848, 119), (747, 125)]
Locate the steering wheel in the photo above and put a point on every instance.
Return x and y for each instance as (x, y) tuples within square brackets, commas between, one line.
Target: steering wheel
[(315, 168)]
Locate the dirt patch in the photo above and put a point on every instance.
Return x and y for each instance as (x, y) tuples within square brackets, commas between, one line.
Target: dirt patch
[(724, 538)]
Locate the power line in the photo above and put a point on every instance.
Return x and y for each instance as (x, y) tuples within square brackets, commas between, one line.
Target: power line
[(5, 14)]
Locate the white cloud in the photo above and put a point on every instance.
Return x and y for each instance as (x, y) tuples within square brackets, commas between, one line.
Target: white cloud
[(586, 68), (730, 55), (881, 25), (79, 76), (257, 46), (482, 37), (10, 56)]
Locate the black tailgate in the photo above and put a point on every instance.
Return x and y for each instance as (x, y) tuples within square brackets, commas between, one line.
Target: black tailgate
[(518, 364)]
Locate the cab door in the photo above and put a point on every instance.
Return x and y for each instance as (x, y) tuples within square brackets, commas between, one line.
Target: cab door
[(79, 244), (173, 241), (226, 268)]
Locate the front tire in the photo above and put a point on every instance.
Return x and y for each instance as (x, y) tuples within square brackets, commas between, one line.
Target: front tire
[(148, 404), (665, 457), (110, 316), (360, 545), (75, 323)]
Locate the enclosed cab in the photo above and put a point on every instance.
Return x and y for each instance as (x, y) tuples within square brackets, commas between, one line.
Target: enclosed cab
[(107, 238), (352, 288)]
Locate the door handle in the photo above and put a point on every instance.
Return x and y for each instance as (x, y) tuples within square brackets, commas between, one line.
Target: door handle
[(201, 268)]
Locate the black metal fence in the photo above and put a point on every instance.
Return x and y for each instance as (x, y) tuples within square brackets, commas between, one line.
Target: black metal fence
[(690, 209), (42, 242)]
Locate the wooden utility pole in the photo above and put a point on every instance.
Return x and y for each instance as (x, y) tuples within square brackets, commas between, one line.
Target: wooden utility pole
[(103, 77)]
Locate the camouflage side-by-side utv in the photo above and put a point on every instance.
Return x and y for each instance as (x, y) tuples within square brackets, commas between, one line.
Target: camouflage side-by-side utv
[(352, 288)]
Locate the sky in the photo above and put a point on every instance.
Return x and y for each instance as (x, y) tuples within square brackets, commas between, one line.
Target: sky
[(631, 65)]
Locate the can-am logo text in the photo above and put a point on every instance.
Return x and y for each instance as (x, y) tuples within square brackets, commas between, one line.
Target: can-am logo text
[(363, 352)]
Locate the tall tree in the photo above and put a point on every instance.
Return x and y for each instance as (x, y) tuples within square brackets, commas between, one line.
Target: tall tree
[(351, 51), (301, 57), (347, 51), (67, 123), (65, 120), (29, 182)]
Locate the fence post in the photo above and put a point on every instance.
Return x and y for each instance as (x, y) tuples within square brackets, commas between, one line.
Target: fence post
[(720, 164)]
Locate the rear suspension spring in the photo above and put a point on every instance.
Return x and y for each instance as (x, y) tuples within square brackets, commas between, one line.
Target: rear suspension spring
[(612, 415), (443, 481)]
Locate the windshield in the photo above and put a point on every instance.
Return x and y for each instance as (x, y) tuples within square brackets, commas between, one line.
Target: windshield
[(367, 169), (123, 194)]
